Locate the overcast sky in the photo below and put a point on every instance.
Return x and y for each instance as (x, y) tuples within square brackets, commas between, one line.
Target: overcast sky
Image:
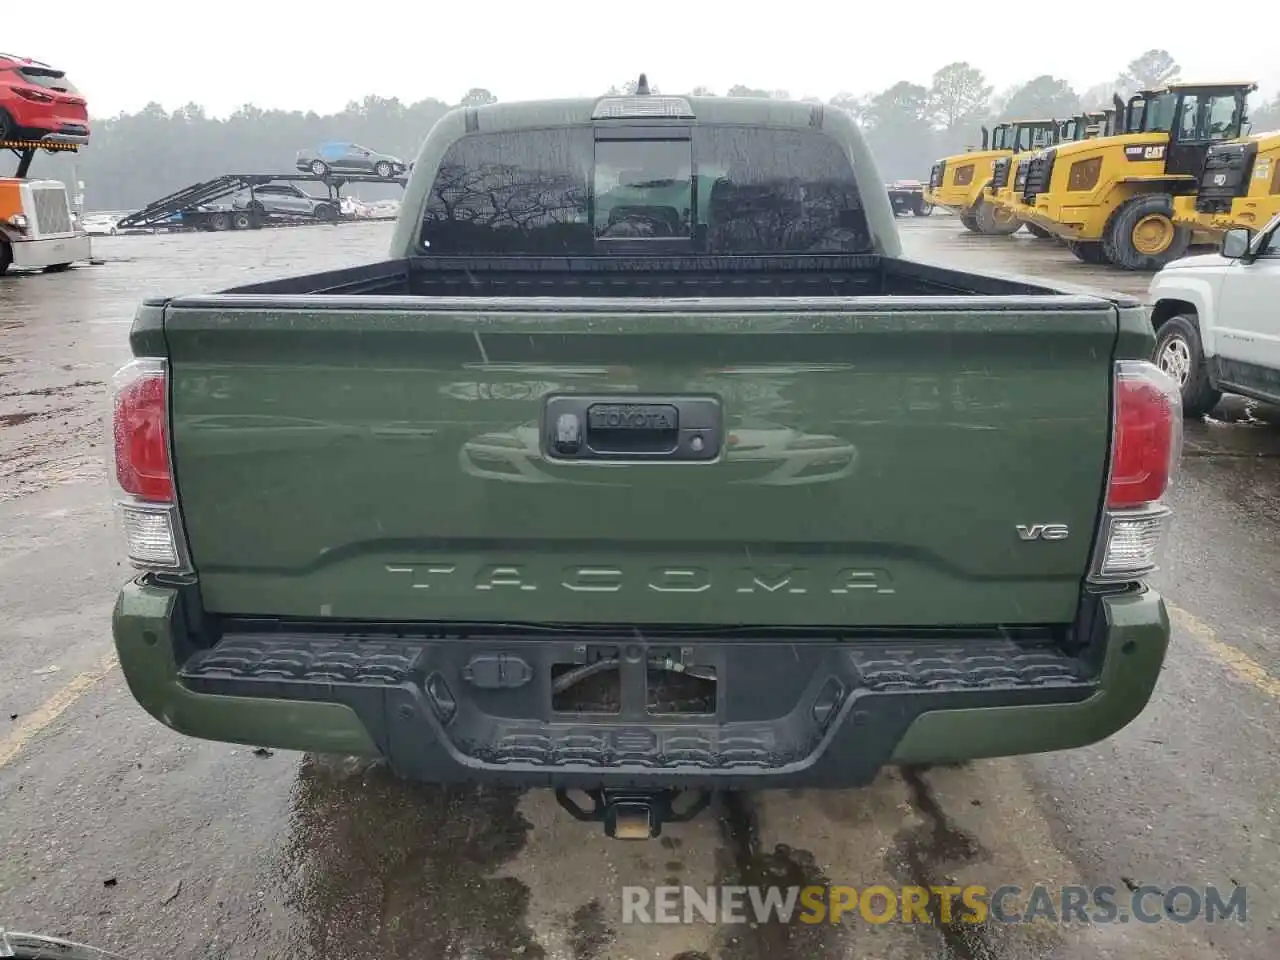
[(225, 53)]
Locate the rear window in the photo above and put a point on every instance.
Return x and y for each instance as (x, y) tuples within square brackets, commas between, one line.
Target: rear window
[(44, 77), (721, 190)]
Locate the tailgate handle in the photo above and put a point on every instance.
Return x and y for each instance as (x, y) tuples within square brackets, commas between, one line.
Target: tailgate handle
[(679, 429), (633, 427)]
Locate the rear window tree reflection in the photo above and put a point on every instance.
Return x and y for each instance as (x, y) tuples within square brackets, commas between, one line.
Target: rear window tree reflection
[(522, 192), (759, 190), (779, 191)]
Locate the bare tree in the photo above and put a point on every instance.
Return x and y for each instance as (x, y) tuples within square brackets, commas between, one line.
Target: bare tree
[(1044, 98), (1150, 71), (1267, 117), (1098, 97), (856, 106), (959, 94), (478, 97)]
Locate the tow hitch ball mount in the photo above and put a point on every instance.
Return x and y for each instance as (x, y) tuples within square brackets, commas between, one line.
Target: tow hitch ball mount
[(634, 814)]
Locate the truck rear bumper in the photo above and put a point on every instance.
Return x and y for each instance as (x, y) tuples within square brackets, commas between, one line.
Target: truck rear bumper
[(822, 713)]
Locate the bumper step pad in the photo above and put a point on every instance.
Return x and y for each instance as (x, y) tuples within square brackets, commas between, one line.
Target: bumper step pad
[(415, 695)]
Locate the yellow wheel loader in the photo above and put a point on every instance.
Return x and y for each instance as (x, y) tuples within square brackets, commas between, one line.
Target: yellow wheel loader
[(1239, 186), (959, 183), (1008, 173), (1112, 198)]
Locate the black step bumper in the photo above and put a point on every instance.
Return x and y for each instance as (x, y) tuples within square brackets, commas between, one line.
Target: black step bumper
[(814, 713)]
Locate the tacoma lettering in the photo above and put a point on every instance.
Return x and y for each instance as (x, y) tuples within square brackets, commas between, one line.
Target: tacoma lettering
[(790, 578), (422, 574), (602, 579), (490, 578), (857, 581), (679, 579), (592, 579)]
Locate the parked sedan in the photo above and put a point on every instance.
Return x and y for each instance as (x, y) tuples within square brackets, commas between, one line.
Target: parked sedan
[(101, 224), (341, 157), (284, 198)]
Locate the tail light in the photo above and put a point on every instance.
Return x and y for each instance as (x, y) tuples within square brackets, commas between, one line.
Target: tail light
[(1146, 446), (141, 467), (35, 96)]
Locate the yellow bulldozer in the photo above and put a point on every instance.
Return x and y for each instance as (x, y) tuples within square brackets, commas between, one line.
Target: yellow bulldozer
[(1239, 186), (1008, 173), (959, 183), (1112, 198)]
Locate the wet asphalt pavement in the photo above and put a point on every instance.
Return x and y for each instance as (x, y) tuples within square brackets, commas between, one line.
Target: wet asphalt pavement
[(116, 831)]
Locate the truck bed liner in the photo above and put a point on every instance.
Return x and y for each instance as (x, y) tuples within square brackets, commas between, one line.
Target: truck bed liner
[(730, 277)]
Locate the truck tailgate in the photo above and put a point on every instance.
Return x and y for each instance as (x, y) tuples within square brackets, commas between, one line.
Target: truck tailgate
[(882, 461)]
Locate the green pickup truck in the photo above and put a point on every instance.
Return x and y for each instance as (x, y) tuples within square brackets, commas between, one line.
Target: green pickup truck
[(645, 466)]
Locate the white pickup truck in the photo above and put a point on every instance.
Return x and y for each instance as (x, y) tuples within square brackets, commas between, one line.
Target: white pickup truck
[(1217, 320)]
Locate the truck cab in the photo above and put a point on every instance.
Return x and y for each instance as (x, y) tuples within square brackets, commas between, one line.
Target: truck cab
[(37, 226)]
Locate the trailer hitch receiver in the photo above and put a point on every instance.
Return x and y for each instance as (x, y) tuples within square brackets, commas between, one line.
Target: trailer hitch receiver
[(635, 814)]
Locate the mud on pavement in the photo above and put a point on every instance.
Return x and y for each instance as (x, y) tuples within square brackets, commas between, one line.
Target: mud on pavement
[(408, 871)]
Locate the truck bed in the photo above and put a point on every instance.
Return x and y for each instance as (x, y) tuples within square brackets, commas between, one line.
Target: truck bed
[(866, 275), (629, 516)]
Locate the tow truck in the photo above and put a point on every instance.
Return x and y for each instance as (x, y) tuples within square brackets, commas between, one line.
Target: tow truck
[(38, 228)]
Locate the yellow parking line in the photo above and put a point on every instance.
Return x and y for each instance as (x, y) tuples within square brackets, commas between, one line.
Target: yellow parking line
[(51, 709), (1235, 659)]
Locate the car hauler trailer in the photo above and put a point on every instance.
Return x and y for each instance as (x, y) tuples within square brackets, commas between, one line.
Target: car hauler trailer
[(209, 204)]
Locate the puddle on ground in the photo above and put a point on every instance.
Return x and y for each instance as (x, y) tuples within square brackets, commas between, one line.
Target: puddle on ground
[(401, 869), (742, 862), (926, 855)]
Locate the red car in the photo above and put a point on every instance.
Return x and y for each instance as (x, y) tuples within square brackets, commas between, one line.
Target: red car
[(38, 102)]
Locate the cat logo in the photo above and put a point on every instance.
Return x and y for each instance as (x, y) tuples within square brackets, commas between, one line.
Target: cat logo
[(1140, 152), (1219, 179)]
